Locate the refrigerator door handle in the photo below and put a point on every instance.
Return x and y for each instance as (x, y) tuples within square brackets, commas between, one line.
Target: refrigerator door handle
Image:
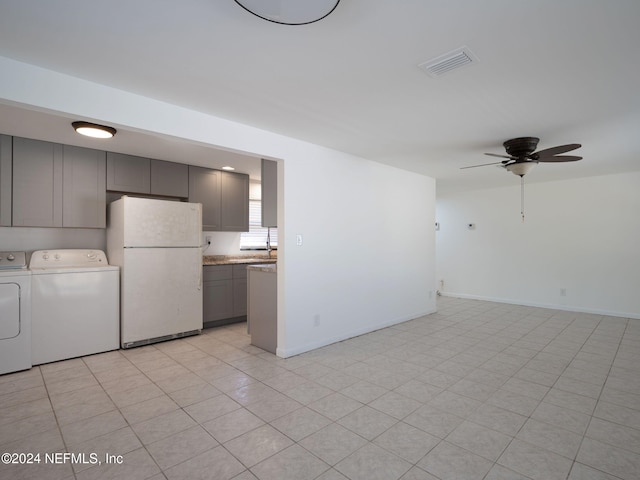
[(200, 279)]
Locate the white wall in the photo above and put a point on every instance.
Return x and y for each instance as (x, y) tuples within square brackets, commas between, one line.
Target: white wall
[(222, 243), (368, 258), (579, 235), (30, 239)]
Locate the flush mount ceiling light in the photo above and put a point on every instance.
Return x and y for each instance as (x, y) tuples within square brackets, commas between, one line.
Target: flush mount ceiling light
[(290, 12), (229, 168), (93, 130)]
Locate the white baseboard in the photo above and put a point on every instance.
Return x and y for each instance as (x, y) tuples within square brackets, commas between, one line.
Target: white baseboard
[(566, 308), (307, 347)]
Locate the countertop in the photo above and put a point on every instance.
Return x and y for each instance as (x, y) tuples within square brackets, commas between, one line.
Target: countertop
[(267, 267), (238, 259)]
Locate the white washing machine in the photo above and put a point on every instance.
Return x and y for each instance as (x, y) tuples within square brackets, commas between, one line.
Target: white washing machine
[(75, 304), (15, 312)]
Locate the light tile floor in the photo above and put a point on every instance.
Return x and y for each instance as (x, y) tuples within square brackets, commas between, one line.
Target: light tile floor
[(478, 390)]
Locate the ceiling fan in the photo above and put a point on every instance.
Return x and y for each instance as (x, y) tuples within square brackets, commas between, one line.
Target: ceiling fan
[(521, 158)]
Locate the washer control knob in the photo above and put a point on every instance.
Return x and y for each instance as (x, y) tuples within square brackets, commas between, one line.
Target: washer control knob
[(45, 256), (57, 256), (11, 257)]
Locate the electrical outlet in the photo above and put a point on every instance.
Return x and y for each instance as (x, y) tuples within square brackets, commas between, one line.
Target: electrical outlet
[(316, 320), (563, 292)]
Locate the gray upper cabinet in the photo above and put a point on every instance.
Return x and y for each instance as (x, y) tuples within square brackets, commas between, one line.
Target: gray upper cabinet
[(37, 183), (45, 184), (169, 179), (204, 188), (224, 197), (57, 185), (127, 173), (5, 180), (84, 193), (234, 213), (269, 193), (131, 174)]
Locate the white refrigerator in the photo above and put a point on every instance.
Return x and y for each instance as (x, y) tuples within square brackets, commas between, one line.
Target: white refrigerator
[(156, 244)]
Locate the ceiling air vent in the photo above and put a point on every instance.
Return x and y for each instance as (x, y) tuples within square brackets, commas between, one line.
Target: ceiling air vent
[(449, 61)]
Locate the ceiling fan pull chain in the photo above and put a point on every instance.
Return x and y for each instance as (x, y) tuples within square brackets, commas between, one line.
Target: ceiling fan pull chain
[(522, 197)]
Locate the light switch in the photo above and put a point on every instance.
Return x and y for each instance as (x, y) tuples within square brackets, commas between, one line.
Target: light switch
[(299, 239)]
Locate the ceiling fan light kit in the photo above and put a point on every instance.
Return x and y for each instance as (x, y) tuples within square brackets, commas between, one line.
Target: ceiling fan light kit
[(521, 168), (521, 158)]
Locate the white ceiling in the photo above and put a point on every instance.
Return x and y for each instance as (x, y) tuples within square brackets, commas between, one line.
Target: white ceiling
[(567, 72)]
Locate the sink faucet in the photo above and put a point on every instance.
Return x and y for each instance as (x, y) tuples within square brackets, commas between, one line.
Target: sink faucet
[(269, 242)]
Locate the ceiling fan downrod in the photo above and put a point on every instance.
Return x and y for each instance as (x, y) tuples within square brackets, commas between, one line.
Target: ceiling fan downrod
[(522, 197)]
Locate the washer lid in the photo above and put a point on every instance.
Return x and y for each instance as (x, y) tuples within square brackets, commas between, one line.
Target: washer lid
[(68, 258)]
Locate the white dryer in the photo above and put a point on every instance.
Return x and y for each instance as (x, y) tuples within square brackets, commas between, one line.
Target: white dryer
[(75, 303), (15, 312)]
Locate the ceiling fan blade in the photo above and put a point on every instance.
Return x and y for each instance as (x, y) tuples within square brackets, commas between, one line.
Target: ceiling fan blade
[(501, 156), (483, 165), (559, 158), (550, 152)]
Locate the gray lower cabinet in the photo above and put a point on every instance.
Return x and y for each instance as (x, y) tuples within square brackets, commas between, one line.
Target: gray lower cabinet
[(239, 290), (217, 293), (57, 185), (224, 294), (5, 180), (262, 317)]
